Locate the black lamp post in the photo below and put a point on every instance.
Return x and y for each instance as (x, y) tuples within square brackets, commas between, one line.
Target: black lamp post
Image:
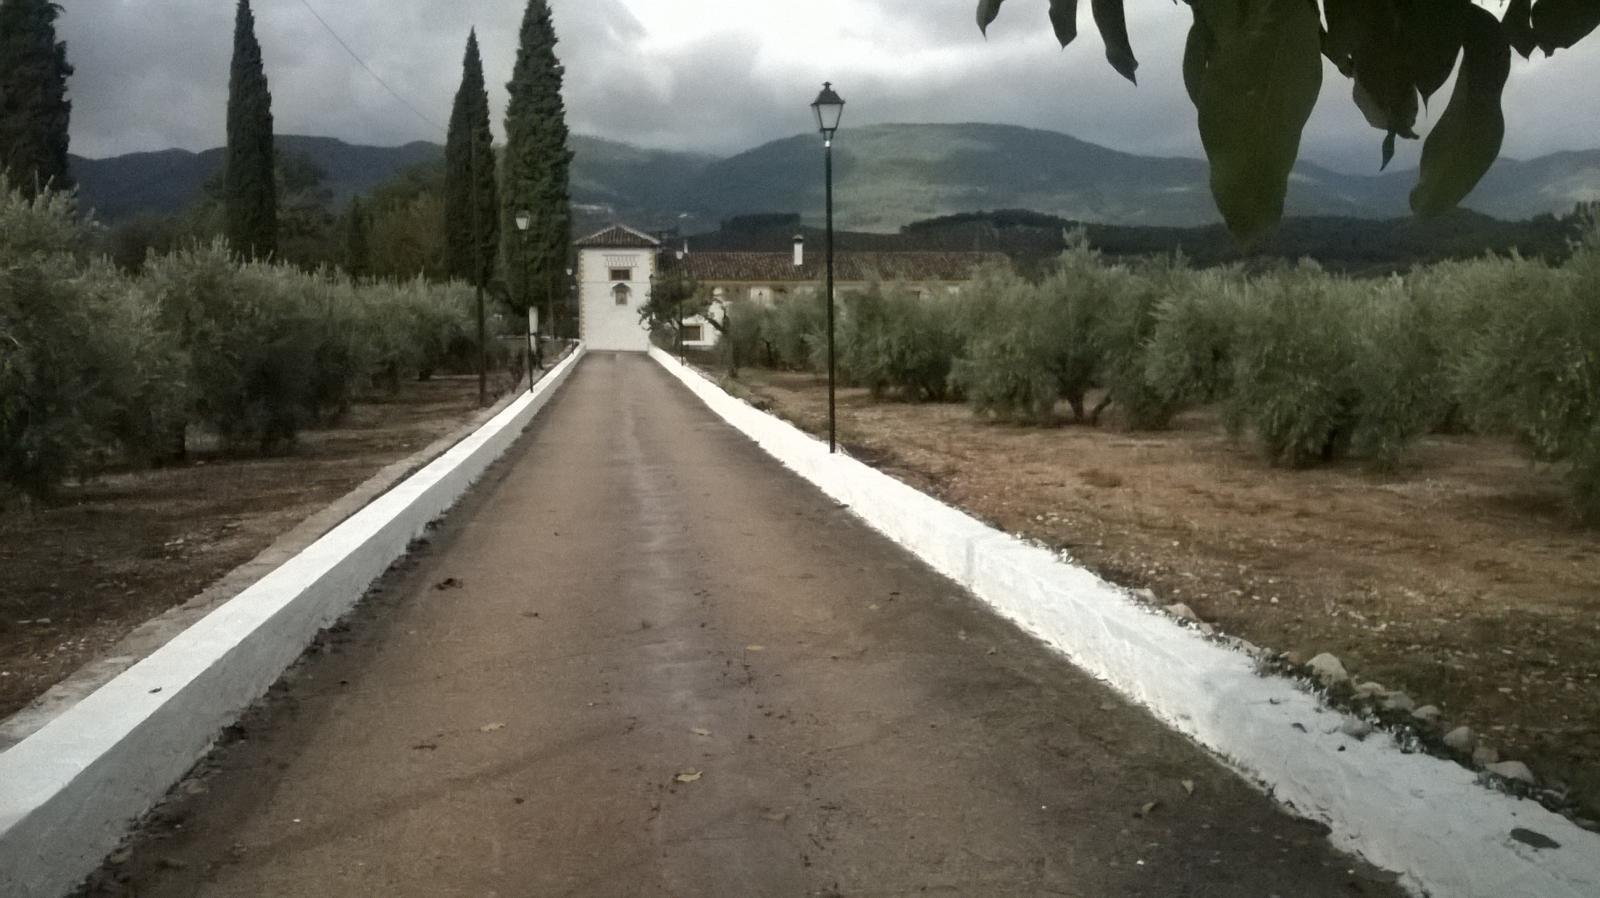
[(524, 222), (829, 108)]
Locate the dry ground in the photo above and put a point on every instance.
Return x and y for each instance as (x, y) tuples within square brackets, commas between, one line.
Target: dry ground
[(1460, 579), (76, 577)]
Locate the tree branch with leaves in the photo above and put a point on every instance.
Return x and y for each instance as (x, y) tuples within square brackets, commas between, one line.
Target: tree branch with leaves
[(1253, 69)]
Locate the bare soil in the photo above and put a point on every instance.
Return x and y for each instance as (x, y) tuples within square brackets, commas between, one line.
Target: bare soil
[(78, 576), (1460, 579)]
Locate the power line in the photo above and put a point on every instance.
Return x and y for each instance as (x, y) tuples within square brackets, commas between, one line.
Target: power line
[(375, 76)]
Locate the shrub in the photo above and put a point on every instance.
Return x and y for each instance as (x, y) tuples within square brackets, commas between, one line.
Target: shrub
[(85, 373), (1127, 322), (44, 226), (739, 339), (1188, 359), (794, 332), (1400, 371), (1532, 365), (251, 345), (1294, 380), (1042, 343), (145, 383), (50, 379), (895, 341)]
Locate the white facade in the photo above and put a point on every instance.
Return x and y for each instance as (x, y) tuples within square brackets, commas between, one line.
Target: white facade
[(613, 286)]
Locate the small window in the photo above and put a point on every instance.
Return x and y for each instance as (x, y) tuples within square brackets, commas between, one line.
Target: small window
[(692, 333), (621, 274), (621, 294)]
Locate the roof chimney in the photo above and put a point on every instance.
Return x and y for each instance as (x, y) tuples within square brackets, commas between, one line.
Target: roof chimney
[(799, 250)]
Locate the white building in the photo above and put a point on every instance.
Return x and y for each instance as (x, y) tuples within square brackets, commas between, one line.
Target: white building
[(615, 267)]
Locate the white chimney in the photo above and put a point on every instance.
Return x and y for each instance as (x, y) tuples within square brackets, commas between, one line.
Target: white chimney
[(799, 251)]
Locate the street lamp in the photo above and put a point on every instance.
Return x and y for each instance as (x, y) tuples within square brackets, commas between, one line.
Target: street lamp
[(829, 108), (524, 220)]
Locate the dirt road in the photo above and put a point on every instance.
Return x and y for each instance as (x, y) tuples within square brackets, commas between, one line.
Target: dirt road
[(645, 660)]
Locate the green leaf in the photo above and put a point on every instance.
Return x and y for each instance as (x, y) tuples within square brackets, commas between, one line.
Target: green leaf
[(987, 10), (1257, 90), (1339, 42), (1559, 24), (1518, 25), (1197, 57), (1113, 24), (1432, 33), (1385, 90), (1467, 139), (1064, 18)]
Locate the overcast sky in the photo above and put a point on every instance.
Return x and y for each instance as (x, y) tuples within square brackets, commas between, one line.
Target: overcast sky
[(713, 75)]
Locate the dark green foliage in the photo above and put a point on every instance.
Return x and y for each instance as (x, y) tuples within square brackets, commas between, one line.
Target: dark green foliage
[(49, 381), (472, 204), (1294, 381), (1048, 342), (1188, 359), (1268, 51), (896, 342), (1009, 369), (1401, 372), (85, 374), (1253, 70), (34, 109), (250, 194), (357, 242), (1532, 368), (537, 165), (796, 332), (1127, 323), (102, 367)]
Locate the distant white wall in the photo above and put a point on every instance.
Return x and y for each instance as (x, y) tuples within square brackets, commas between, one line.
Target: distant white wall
[(607, 325)]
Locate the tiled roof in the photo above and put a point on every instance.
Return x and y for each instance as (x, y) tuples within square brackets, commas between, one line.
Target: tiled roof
[(620, 237), (779, 268)]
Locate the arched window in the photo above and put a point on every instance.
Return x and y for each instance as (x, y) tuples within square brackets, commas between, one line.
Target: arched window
[(621, 294)]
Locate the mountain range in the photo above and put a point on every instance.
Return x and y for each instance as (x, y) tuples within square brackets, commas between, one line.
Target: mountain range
[(886, 176)]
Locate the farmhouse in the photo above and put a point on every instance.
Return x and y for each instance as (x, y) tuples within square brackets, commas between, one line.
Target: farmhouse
[(616, 265)]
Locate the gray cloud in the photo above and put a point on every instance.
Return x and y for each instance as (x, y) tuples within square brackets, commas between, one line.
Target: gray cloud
[(153, 74)]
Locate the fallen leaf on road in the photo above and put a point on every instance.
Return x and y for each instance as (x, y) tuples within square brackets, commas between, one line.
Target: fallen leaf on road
[(1148, 809), (775, 817), (448, 583), (1188, 786), (755, 648), (491, 728), (688, 776), (700, 732), (1535, 839)]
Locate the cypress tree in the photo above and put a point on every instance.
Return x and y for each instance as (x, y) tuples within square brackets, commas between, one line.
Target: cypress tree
[(357, 246), (250, 189), (34, 109), (537, 161), (469, 154)]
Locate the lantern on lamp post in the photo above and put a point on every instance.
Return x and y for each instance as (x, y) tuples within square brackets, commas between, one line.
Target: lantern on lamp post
[(829, 108)]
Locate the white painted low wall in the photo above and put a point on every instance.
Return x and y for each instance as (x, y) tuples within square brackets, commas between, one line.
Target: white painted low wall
[(69, 792), (1424, 818)]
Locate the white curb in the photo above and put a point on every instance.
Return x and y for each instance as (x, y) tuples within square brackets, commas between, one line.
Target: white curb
[(1421, 817), (69, 792)]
